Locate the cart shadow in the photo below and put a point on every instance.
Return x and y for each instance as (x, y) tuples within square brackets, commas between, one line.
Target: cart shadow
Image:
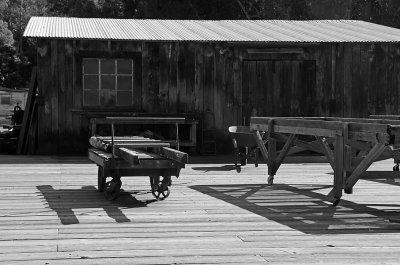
[(302, 208), (63, 202)]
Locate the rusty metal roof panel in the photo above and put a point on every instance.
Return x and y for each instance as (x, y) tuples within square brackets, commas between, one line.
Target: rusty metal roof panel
[(210, 30)]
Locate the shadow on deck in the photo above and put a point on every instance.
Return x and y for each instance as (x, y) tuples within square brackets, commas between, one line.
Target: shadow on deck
[(63, 202), (304, 209)]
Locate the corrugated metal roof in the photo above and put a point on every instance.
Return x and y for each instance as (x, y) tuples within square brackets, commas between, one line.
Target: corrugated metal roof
[(207, 30)]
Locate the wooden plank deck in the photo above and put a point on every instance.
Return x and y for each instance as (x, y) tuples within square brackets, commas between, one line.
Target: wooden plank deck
[(51, 213)]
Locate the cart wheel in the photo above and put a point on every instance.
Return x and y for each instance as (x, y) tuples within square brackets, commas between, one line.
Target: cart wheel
[(396, 167), (160, 189), (270, 180), (161, 194), (101, 179), (112, 189)]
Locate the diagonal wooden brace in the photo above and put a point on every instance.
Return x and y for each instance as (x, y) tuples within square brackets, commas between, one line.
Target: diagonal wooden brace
[(375, 152), (283, 152), (327, 150), (261, 145)]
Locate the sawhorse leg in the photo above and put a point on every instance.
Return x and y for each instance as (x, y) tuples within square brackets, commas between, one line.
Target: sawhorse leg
[(338, 169)]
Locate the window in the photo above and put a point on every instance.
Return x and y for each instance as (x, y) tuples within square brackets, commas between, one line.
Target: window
[(107, 82), (5, 100)]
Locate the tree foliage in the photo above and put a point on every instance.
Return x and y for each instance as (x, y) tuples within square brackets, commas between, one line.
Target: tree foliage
[(6, 36)]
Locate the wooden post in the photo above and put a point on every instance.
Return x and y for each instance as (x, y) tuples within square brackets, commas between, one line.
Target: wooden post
[(28, 116), (177, 136), (112, 139), (271, 149), (339, 166)]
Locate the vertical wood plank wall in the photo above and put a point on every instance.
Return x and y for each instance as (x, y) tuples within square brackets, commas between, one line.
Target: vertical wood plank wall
[(351, 80)]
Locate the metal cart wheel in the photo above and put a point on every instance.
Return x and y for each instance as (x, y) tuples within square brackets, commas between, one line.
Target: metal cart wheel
[(160, 188), (101, 179), (112, 188)]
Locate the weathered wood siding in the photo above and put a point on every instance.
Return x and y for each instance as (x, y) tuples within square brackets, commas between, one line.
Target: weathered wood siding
[(231, 81)]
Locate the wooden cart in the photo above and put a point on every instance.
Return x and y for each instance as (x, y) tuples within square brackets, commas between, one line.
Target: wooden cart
[(135, 156), (244, 145), (350, 145)]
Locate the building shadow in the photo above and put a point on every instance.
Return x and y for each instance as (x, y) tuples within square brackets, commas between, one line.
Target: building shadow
[(303, 208), (64, 201)]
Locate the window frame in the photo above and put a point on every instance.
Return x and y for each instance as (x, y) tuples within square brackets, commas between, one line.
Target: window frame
[(116, 79), (136, 91)]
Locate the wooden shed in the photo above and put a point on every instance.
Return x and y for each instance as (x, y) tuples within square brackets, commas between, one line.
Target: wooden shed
[(218, 72)]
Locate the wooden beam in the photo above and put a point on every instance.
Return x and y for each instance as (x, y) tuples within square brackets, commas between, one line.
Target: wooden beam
[(380, 175), (284, 151), (261, 145), (313, 146), (369, 137), (144, 144), (296, 149), (271, 149), (327, 150), (364, 146), (26, 120), (375, 152), (139, 120), (175, 155), (338, 177), (305, 131), (128, 155)]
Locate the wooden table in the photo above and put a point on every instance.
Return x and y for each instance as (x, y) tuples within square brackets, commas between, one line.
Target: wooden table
[(350, 145), (176, 121)]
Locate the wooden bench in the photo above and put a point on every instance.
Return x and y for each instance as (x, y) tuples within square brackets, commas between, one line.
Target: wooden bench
[(350, 145)]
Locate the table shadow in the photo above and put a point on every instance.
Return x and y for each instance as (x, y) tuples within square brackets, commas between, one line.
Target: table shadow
[(303, 208), (64, 201)]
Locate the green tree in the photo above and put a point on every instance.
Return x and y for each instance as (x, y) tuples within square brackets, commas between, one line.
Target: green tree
[(384, 12), (15, 66), (17, 14), (6, 36), (74, 8)]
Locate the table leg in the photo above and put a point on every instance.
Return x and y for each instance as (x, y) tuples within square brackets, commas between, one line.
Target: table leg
[(177, 136)]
